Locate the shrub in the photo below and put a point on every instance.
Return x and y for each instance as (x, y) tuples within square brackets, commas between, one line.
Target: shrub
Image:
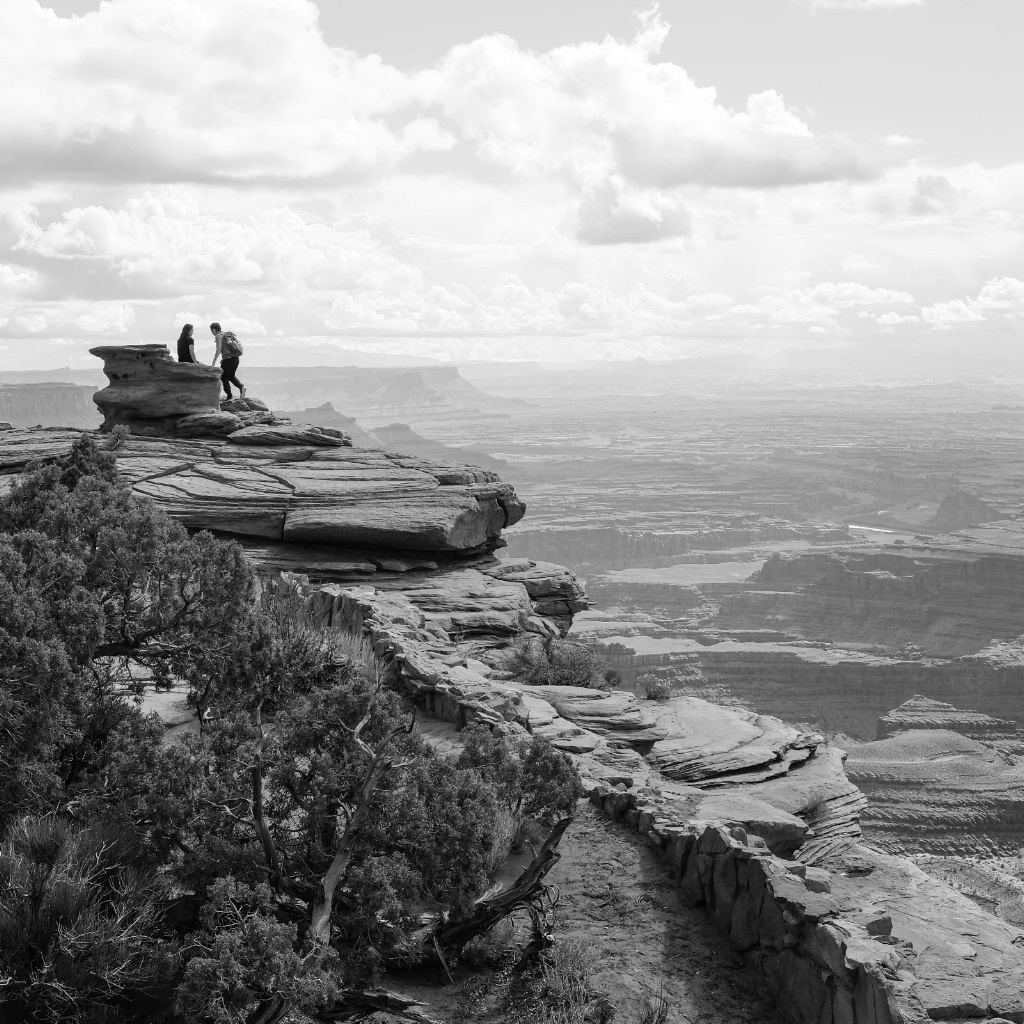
[(78, 913), (654, 687), (243, 956), (531, 778), (554, 662)]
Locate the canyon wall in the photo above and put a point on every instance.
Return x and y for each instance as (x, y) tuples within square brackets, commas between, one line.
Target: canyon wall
[(48, 405)]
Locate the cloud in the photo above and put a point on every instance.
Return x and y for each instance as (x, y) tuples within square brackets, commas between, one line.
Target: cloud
[(612, 214), (196, 90), (999, 298), (933, 193), (591, 111)]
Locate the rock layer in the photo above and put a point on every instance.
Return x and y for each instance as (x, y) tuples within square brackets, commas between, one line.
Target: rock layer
[(337, 496), (924, 713)]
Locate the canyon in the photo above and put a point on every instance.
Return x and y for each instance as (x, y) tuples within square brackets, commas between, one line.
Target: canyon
[(756, 816)]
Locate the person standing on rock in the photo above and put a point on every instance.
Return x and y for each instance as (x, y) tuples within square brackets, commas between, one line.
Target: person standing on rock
[(229, 351), (187, 346)]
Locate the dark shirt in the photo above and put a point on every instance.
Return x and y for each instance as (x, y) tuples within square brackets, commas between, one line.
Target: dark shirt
[(184, 344)]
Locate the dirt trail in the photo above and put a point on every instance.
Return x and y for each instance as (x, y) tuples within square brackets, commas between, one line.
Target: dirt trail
[(618, 899)]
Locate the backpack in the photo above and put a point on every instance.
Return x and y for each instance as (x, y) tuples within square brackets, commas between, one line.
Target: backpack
[(230, 345)]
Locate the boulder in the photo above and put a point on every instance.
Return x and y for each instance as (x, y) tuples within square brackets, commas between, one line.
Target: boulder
[(147, 384), (270, 435), (782, 832), (617, 715), (239, 405), (207, 424)]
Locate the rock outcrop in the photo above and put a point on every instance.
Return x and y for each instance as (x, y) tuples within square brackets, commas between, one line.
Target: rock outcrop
[(959, 510), (302, 488), (155, 396), (924, 713), (148, 388), (837, 930)]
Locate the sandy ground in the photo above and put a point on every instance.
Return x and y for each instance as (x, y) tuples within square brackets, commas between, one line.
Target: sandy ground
[(616, 897)]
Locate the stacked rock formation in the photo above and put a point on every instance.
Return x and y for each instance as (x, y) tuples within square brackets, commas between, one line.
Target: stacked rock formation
[(924, 713), (156, 396)]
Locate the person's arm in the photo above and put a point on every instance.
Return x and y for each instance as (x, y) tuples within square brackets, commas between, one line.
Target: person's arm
[(217, 352), (192, 351)]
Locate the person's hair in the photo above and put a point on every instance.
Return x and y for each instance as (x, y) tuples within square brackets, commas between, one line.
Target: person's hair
[(215, 326), (186, 332)]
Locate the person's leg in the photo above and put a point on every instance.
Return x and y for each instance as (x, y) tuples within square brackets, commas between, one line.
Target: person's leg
[(234, 379), (227, 371)]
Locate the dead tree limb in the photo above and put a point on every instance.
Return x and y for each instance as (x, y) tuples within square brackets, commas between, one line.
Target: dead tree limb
[(525, 892), (356, 1005)]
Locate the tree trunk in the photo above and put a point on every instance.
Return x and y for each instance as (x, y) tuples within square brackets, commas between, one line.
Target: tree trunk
[(525, 891), (270, 1011), (320, 923)]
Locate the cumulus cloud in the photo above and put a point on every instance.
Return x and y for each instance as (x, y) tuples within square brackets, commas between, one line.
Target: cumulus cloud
[(613, 213), (999, 298), (194, 90), (589, 111)]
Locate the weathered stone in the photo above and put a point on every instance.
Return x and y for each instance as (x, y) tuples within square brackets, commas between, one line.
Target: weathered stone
[(743, 926), (616, 715), (818, 880), (842, 1007), (724, 884), (690, 888), (207, 424), (771, 927), (147, 384), (783, 832), (1006, 995), (271, 435)]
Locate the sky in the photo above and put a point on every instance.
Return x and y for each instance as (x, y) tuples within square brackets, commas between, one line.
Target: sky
[(470, 180)]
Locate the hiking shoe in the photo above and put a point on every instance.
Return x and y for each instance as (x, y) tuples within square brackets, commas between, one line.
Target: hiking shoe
[(242, 395)]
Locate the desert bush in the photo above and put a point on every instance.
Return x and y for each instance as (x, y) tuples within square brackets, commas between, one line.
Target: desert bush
[(654, 687), (555, 662), (243, 956), (532, 779), (78, 914)]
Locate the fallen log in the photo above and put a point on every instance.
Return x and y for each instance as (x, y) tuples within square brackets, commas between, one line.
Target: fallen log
[(357, 1005), (527, 892)]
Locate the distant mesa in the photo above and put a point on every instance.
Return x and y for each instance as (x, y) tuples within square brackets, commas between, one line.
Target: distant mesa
[(924, 713), (959, 510), (49, 404)]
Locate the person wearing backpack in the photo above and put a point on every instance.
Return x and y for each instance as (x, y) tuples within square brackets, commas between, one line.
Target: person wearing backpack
[(229, 350)]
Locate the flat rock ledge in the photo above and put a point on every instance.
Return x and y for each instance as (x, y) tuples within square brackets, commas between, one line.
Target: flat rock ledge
[(758, 821), (304, 500)]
